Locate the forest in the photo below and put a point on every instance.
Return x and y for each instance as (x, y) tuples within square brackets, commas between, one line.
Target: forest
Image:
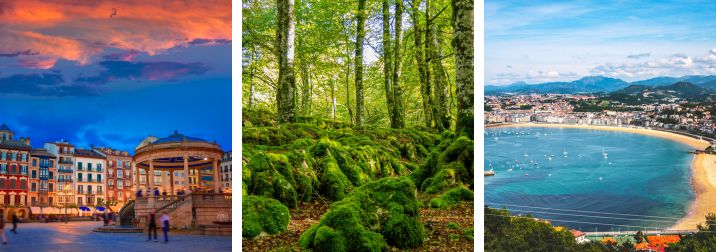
[(357, 125)]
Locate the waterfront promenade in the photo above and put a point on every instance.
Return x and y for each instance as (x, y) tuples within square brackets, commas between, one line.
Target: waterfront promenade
[(78, 236)]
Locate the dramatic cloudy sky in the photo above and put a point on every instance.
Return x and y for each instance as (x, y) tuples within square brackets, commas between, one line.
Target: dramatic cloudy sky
[(109, 73), (540, 41)]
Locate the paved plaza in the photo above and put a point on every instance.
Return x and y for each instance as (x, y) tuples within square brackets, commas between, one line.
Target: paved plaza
[(78, 236)]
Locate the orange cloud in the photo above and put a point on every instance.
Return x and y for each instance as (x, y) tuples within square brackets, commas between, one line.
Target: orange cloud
[(78, 30)]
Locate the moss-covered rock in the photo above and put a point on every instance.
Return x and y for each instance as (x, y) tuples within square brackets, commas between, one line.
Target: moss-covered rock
[(380, 212), (261, 214), (452, 197), (274, 175)]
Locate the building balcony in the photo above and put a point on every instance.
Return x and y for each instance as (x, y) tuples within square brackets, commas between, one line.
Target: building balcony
[(65, 170), (61, 180), (65, 162)]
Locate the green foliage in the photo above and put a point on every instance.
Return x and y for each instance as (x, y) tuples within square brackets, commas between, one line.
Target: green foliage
[(453, 225), (469, 233), (379, 211), (506, 233), (452, 197), (703, 240), (261, 214)]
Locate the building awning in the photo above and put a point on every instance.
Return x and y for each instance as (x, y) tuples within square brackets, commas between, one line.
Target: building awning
[(99, 209), (85, 209)]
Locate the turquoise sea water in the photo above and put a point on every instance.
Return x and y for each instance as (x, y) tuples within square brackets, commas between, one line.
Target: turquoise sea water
[(613, 178)]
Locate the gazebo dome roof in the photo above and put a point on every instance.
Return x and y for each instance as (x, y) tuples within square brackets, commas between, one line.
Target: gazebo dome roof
[(177, 137)]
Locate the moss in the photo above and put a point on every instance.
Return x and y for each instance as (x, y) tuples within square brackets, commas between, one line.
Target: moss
[(469, 233), (260, 214), (453, 225), (334, 184), (454, 237), (384, 208), (452, 197), (272, 175)]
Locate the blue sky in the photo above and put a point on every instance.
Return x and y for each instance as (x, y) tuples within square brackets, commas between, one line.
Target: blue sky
[(541, 41), (110, 73)]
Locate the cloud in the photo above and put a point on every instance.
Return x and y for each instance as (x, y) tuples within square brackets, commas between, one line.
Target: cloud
[(50, 125), (538, 76), (673, 65), (27, 52), (639, 55), (198, 42), (124, 56), (45, 85), (162, 70), (79, 30)]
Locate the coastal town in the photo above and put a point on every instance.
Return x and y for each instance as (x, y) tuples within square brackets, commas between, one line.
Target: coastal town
[(674, 115)]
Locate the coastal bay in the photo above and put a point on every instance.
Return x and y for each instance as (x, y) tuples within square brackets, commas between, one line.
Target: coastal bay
[(703, 168)]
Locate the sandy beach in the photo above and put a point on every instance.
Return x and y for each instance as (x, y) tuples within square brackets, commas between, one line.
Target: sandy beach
[(703, 169)]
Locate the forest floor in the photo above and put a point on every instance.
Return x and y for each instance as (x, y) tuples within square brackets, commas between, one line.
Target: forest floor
[(439, 236)]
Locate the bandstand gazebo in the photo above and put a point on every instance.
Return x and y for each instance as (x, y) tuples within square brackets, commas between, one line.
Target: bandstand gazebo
[(190, 158), (177, 152)]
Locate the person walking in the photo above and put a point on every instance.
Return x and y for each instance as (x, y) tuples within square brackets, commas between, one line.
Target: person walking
[(15, 219), (152, 226), (165, 226), (2, 229)]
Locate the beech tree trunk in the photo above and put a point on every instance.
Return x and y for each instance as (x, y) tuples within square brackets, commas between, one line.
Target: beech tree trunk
[(462, 22), (440, 111), (425, 90), (387, 61), (252, 70), (360, 36), (397, 119), (286, 95)]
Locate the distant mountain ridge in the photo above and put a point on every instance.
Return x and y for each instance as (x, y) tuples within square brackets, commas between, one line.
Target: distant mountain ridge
[(681, 89), (595, 84)]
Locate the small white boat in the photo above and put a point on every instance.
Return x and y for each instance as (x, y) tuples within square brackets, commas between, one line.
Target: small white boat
[(490, 173)]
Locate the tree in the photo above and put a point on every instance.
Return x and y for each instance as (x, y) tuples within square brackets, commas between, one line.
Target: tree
[(462, 20), (360, 36), (639, 237), (397, 117), (387, 61), (425, 90), (441, 113), (285, 36)]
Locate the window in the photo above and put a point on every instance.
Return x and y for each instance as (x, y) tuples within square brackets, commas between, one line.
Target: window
[(99, 178), (157, 173), (34, 174), (34, 162), (99, 189), (99, 167), (33, 187), (119, 184), (119, 173), (89, 166), (79, 166), (3, 168), (13, 169), (23, 184), (52, 163), (79, 177), (51, 187), (110, 182), (23, 169), (13, 183), (89, 177), (79, 189), (4, 156), (119, 164), (51, 176), (13, 156), (24, 157), (89, 189), (3, 183)]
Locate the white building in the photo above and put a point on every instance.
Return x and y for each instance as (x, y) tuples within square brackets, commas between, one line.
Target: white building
[(90, 177), (226, 171), (65, 152)]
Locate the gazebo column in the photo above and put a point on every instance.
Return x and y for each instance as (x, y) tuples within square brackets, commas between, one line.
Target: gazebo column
[(171, 182), (198, 178), (215, 166), (151, 180), (135, 170), (186, 174)]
